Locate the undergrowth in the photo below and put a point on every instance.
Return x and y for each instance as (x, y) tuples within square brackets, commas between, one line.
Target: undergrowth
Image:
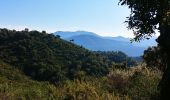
[(138, 83)]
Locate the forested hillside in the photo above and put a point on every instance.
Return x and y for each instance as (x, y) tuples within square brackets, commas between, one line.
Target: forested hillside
[(47, 57), (36, 65), (137, 84)]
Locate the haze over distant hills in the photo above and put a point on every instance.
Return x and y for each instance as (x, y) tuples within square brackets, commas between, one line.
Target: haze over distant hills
[(96, 42)]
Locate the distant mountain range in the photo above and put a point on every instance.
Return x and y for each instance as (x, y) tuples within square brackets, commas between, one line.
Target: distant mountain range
[(96, 42)]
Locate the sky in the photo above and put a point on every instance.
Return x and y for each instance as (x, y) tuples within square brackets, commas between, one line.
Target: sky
[(104, 17)]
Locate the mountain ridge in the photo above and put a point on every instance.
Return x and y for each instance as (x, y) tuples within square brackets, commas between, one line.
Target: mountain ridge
[(95, 42)]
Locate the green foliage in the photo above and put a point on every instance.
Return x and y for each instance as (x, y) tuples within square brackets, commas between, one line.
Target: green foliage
[(153, 57), (75, 73), (146, 15), (15, 85), (118, 58), (146, 84), (137, 83), (46, 57)]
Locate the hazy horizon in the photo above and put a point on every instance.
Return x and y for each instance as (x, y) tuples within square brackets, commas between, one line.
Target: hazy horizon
[(105, 18)]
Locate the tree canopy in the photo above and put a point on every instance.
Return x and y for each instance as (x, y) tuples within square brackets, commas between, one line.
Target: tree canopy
[(47, 57), (147, 16)]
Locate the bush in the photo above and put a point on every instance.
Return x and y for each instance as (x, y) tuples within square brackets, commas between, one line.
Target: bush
[(138, 83)]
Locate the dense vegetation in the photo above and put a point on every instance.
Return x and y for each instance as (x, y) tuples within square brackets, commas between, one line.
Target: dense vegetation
[(153, 57), (137, 83), (118, 57), (146, 17), (46, 57), (37, 65)]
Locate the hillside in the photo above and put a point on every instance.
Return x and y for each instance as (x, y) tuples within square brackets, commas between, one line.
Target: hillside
[(36, 65), (134, 84), (15, 85), (95, 42), (46, 57)]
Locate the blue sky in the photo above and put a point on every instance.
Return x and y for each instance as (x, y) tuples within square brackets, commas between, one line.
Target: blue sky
[(103, 17)]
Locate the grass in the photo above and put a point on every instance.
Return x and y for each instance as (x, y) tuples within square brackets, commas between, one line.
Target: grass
[(139, 83)]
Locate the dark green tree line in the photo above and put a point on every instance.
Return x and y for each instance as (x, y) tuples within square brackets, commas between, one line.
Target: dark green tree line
[(46, 57)]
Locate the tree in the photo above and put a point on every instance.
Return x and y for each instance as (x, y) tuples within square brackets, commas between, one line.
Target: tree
[(153, 57), (147, 16), (26, 30)]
